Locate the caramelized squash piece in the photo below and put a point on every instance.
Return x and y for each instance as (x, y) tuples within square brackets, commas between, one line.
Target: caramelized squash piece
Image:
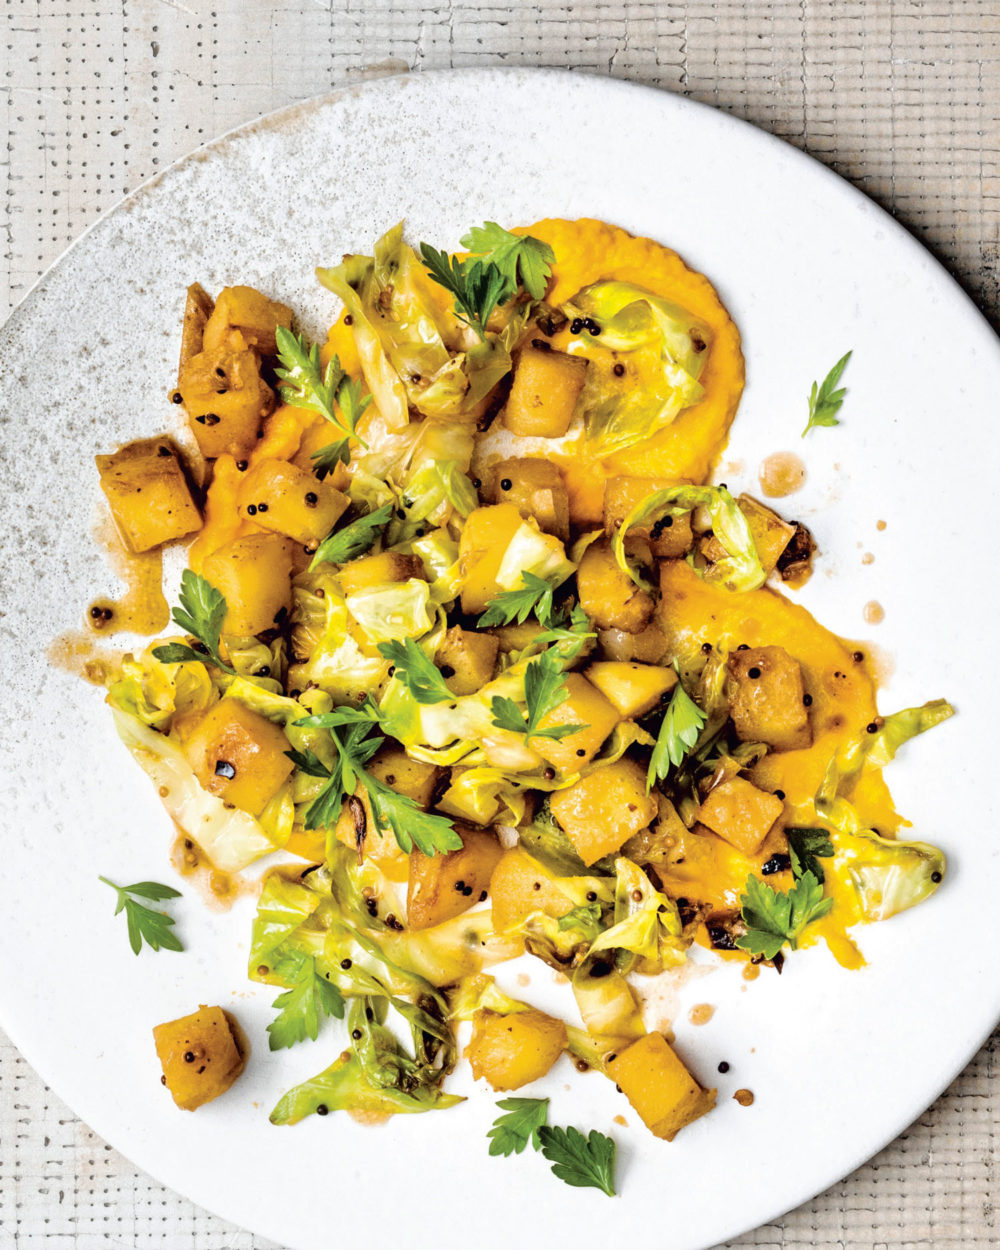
[(604, 809), (279, 497), (544, 391), (443, 886), (250, 314), (669, 538), (608, 595), (536, 488), (766, 699), (519, 886), (239, 755), (200, 1055), (414, 778), (740, 813), (634, 689), (197, 310), (485, 537), (390, 566), (254, 575), (516, 1049), (584, 706), (148, 494), (226, 399), (659, 1086), (467, 659), (771, 535)]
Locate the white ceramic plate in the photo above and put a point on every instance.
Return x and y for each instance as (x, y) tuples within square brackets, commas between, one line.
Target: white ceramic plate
[(839, 1062)]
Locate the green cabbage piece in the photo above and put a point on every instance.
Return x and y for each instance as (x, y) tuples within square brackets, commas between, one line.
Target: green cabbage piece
[(321, 638), (530, 550), (439, 553), (391, 611), (740, 570), (155, 692)]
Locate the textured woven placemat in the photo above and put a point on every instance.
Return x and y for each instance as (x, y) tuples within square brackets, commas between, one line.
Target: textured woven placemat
[(902, 98)]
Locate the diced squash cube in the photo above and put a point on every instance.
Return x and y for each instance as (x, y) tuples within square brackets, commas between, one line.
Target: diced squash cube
[(604, 809), (771, 535), (608, 595), (650, 646), (443, 886), (197, 310), (254, 576), (660, 1088), (516, 637), (544, 391), (201, 1056), (148, 494), (277, 496), (519, 886), (586, 706), (668, 538), (255, 317), (226, 400), (766, 698), (239, 755), (740, 813), (390, 566), (467, 659), (536, 487), (516, 1049), (414, 778), (634, 689), (485, 537)]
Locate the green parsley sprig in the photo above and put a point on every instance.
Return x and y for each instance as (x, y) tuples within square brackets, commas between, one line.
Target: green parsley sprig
[(418, 674), (309, 999), (353, 540), (544, 691), (534, 595), (511, 1133), (807, 847), (304, 383), (521, 259), (825, 399), (679, 732), (201, 613), (774, 918), (476, 286), (145, 924)]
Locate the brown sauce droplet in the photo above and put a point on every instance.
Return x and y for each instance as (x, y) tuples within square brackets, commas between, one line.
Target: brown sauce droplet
[(868, 558), (874, 613), (744, 1097), (370, 1118), (781, 474), (701, 1013), (219, 890), (620, 1119), (751, 972), (880, 525)]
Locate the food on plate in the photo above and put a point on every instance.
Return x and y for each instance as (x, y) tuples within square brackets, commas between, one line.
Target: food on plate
[(200, 1054), (470, 638)]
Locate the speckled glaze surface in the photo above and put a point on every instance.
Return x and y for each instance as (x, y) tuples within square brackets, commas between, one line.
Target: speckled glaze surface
[(839, 1062)]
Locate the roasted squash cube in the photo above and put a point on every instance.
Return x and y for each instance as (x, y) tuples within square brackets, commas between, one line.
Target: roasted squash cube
[(239, 755), (660, 1088), (515, 637), (516, 1049), (277, 496), (668, 538), (148, 494), (254, 576), (608, 595), (485, 537), (650, 646), (519, 886), (604, 809), (771, 535), (634, 689), (226, 400), (740, 813), (201, 1056), (197, 310), (390, 566), (467, 659), (535, 487), (443, 886), (585, 706), (766, 698), (544, 392), (252, 315), (414, 778)]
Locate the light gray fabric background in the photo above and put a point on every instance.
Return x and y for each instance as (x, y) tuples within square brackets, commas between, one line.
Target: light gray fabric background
[(900, 96)]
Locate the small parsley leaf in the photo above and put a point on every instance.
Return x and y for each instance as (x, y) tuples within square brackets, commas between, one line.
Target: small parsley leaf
[(806, 847), (418, 674), (353, 540), (678, 733), (411, 825), (327, 458), (310, 998), (520, 258), (533, 595), (144, 923), (524, 1117), (306, 384), (825, 399), (544, 691), (773, 918), (585, 1162), (477, 287), (201, 613)]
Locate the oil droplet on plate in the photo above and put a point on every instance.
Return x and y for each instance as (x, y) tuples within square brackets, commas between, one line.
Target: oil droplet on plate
[(874, 613), (781, 474), (523, 979), (701, 1013), (880, 525), (620, 1119), (744, 1097), (751, 972), (868, 558)]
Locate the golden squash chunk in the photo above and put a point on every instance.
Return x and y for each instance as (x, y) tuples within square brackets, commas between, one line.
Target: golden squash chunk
[(255, 317), (515, 637), (608, 595), (467, 659), (519, 886), (443, 886), (197, 310), (254, 576), (239, 755), (604, 809), (650, 646), (514, 1050), (659, 1087), (766, 698), (390, 566), (356, 828), (634, 689), (414, 778), (740, 813), (668, 538), (200, 1054), (584, 706), (536, 487), (544, 391), (771, 535), (277, 496), (148, 494), (226, 400), (485, 537)]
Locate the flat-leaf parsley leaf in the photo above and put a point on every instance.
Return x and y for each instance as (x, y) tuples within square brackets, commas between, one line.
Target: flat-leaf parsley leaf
[(825, 399), (144, 923), (512, 1132)]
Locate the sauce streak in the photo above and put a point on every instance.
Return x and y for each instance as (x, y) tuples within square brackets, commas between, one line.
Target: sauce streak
[(219, 890), (77, 652), (781, 474), (142, 609)]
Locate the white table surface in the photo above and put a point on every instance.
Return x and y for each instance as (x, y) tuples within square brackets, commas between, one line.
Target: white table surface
[(903, 98)]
